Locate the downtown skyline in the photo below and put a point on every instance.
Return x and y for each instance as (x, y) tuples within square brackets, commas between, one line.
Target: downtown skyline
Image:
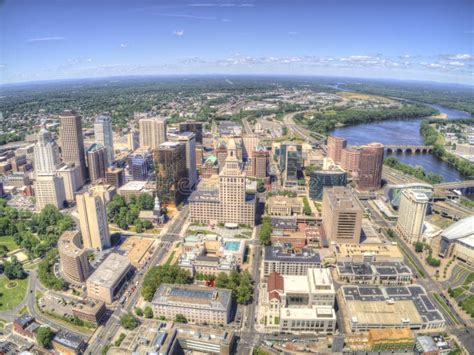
[(415, 40)]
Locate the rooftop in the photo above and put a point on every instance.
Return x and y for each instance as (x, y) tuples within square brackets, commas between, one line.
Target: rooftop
[(278, 254), (110, 270)]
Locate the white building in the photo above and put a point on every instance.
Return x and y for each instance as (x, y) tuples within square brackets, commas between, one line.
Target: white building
[(152, 132), (46, 153), (411, 214), (49, 190)]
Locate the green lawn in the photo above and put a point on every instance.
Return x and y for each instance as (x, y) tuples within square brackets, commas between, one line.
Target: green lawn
[(468, 305), (9, 243), (457, 292), (11, 297), (469, 279)]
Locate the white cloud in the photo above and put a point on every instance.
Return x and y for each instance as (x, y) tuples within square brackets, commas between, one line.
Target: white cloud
[(463, 56), (179, 33), (456, 64), (89, 60), (45, 39), (192, 17), (123, 45)]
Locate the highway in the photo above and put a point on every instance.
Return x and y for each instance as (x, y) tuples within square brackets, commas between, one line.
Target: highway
[(106, 333), (300, 131)]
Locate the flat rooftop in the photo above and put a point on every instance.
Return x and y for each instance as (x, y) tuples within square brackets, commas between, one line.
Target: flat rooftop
[(367, 269), (111, 269), (278, 254), (391, 250)]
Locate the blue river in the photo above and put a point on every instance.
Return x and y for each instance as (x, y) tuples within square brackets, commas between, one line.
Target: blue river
[(403, 132)]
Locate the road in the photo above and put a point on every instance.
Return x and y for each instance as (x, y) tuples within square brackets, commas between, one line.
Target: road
[(300, 131), (106, 333)]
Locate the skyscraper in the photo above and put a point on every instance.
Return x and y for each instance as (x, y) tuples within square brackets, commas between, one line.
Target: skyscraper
[(370, 167), (74, 264), (192, 126), (93, 221), (133, 140), (411, 214), (46, 153), (350, 160), (250, 142), (72, 142), (221, 154), (140, 164), (97, 161), (170, 169), (293, 164), (152, 132), (321, 179), (49, 188), (259, 162), (70, 175), (104, 135), (114, 176), (189, 139), (335, 147), (342, 215)]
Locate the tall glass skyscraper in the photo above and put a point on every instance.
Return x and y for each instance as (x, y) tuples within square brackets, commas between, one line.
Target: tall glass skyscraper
[(325, 178), (104, 135)]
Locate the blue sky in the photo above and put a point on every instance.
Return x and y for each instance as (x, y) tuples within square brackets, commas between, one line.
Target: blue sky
[(401, 39)]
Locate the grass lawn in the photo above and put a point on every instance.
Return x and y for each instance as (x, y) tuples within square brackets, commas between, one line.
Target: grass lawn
[(11, 297), (457, 292), (469, 279), (170, 258), (468, 305), (9, 242)]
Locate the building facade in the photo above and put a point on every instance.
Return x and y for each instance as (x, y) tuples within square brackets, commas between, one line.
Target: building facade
[(189, 139), (74, 264), (103, 134), (97, 162), (335, 146), (152, 132), (369, 176), (324, 179), (93, 221), (411, 215)]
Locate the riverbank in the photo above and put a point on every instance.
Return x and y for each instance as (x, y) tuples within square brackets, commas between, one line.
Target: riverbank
[(415, 171), (431, 136)]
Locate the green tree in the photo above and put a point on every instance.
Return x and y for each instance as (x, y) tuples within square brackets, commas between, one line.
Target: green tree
[(139, 311), (418, 247), (148, 312), (128, 321), (145, 202), (179, 318), (265, 231), (157, 275), (14, 269), (306, 207), (260, 186), (44, 337)]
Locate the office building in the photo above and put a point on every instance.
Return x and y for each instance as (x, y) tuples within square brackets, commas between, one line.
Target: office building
[(192, 126), (49, 190), (290, 162), (300, 304), (73, 262), (377, 307), (133, 140), (369, 253), (250, 143), (325, 179), (97, 162), (199, 305), (289, 262), (342, 215), (93, 220), (72, 142), (136, 188), (458, 241), (411, 215), (70, 175), (284, 206), (46, 153), (369, 176), (171, 177), (350, 160), (221, 154), (228, 202), (382, 273), (259, 162), (152, 132), (189, 139), (65, 342), (140, 164), (335, 145), (114, 176), (103, 134), (108, 279), (199, 157)]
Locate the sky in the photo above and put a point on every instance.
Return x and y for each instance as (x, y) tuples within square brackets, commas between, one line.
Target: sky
[(430, 40)]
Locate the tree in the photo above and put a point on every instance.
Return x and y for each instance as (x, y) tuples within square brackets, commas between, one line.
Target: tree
[(139, 311), (157, 275), (14, 269), (307, 208), (418, 247), (179, 318), (138, 226), (265, 231), (260, 186), (147, 224), (148, 312), (128, 321), (145, 202), (44, 336)]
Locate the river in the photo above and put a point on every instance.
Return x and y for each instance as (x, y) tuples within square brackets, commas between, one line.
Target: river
[(403, 132)]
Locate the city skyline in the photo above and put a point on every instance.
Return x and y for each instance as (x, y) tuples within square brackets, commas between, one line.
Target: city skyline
[(415, 40)]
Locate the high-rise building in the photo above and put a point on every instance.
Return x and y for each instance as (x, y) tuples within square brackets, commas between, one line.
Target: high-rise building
[(293, 164), (70, 175), (97, 162), (199, 156), (189, 139), (342, 215), (46, 153), (221, 154), (250, 143), (171, 176), (350, 159), (140, 164), (152, 132), (335, 147), (73, 261), (49, 190), (72, 142), (411, 214), (260, 162), (133, 140), (104, 135), (324, 179), (192, 126), (114, 176), (370, 167), (93, 221)]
